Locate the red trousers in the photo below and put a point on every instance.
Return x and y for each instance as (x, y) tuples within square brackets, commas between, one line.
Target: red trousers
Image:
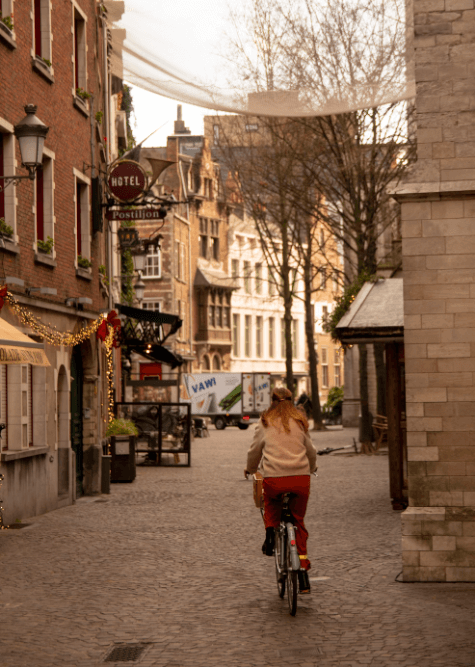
[(299, 485)]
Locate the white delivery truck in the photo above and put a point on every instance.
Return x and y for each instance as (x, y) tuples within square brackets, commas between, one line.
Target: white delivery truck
[(229, 399)]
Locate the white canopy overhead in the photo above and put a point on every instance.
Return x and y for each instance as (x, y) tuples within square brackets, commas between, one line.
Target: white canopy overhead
[(326, 57)]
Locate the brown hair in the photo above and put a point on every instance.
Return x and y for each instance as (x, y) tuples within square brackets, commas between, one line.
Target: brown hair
[(282, 408)]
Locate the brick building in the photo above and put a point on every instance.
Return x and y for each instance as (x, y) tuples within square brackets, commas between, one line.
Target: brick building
[(438, 214), (52, 55), (188, 276)]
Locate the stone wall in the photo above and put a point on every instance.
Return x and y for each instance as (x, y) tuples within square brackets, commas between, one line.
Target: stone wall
[(438, 228)]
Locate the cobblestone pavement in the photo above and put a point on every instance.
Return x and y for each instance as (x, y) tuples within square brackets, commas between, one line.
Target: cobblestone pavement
[(173, 562)]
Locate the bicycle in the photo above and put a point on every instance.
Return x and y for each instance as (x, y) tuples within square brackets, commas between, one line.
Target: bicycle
[(287, 561)]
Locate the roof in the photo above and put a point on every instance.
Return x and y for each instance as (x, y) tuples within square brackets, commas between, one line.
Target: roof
[(377, 313), (214, 278)]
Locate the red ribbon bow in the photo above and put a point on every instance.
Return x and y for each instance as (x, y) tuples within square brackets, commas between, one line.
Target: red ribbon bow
[(110, 321), (3, 294)]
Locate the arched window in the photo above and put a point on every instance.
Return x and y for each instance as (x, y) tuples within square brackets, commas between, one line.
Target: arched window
[(216, 363), (206, 364)]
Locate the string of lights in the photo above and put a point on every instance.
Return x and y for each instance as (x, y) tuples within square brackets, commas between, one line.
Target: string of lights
[(69, 339)]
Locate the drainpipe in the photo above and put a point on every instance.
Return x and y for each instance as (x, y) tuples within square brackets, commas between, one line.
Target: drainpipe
[(190, 335)]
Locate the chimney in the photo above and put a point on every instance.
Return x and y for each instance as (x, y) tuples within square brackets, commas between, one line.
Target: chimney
[(179, 123)]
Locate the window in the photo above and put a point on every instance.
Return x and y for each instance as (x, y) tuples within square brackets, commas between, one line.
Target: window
[(323, 278), (295, 339), (335, 281), (80, 60), (83, 231), (208, 188), (180, 260), (211, 312), (181, 333), (258, 278), (247, 336), (235, 268), (206, 364), (216, 363), (322, 238), (203, 239), (226, 317), (282, 338), (337, 367), (153, 263), (259, 336), (271, 337), (216, 135), (42, 29), (7, 166), (44, 205), (247, 277), (236, 332), (272, 282), (214, 240), (324, 313), (324, 364), (149, 304)]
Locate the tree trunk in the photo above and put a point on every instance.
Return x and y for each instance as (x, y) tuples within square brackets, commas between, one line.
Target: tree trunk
[(366, 435), (318, 424), (287, 294), (380, 378)]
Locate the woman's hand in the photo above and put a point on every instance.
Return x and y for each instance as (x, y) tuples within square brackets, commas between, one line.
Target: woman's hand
[(246, 474)]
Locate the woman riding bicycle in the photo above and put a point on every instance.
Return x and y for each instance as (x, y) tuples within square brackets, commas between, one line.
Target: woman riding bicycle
[(284, 454)]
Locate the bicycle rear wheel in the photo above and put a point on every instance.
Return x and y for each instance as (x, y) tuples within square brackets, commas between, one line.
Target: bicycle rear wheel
[(279, 551), (292, 583)]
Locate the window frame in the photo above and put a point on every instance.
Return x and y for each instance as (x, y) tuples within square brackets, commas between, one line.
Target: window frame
[(271, 337), (247, 270), (236, 334), (49, 218), (259, 331), (247, 336), (41, 30), (83, 240), (153, 252), (8, 195), (79, 53)]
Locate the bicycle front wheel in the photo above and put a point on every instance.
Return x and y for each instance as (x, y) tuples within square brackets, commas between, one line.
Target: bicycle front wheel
[(292, 583), (279, 554)]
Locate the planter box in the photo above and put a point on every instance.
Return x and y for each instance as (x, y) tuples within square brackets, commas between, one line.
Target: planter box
[(123, 458)]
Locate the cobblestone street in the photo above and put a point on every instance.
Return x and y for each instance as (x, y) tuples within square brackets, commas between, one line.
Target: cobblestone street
[(173, 561)]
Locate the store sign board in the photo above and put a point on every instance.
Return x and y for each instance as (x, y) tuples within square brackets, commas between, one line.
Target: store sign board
[(127, 181), (151, 213)]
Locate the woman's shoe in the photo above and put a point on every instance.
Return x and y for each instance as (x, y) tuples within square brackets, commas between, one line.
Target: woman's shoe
[(304, 582), (269, 542)]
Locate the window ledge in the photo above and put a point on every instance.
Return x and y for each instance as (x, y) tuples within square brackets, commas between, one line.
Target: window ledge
[(42, 69), (81, 105), (85, 274), (9, 246), (12, 455), (45, 258), (6, 36)]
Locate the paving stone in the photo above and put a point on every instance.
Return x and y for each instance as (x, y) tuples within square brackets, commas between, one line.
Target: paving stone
[(174, 560)]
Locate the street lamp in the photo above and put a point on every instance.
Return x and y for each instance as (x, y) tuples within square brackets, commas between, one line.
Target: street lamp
[(31, 134), (139, 288)]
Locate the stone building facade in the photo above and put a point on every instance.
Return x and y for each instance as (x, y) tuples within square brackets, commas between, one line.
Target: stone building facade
[(52, 55), (438, 223)]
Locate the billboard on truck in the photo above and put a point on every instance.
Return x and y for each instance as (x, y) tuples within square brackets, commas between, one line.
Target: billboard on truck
[(255, 392), (213, 393)]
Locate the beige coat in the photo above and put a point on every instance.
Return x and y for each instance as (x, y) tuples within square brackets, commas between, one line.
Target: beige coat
[(276, 453)]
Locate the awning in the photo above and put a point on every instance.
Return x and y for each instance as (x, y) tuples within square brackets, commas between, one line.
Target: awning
[(17, 348), (376, 315), (158, 353), (212, 278)]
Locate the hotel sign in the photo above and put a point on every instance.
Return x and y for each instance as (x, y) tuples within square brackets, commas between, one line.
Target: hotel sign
[(127, 181), (151, 213)]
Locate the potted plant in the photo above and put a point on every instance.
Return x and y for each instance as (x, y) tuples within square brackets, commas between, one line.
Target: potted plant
[(45, 246), (83, 94), (122, 434), (5, 230), (6, 22), (84, 262), (119, 426)]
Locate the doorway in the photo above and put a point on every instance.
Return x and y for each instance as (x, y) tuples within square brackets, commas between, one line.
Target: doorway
[(77, 375)]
